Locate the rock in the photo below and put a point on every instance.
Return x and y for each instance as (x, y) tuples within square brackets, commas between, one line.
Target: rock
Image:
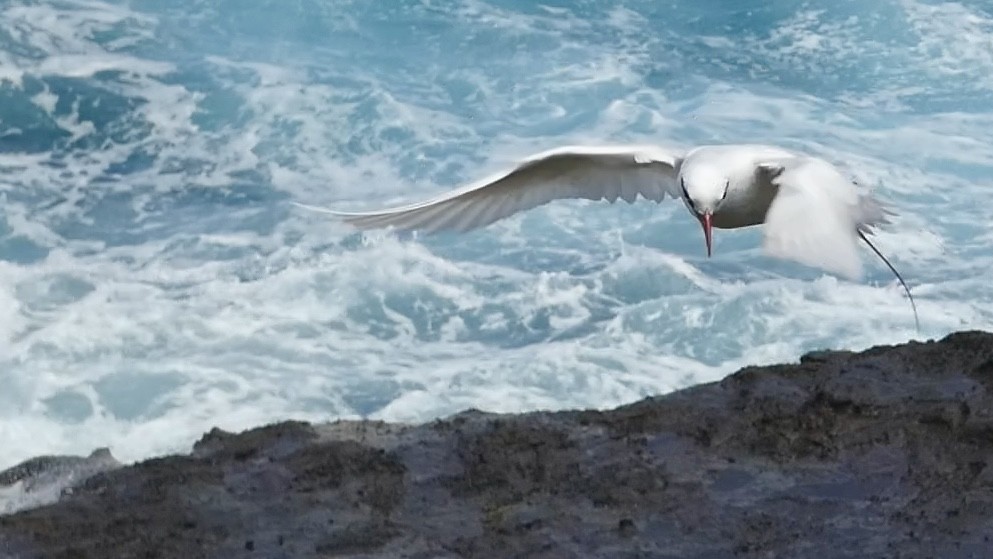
[(33, 472), (42, 480), (882, 453)]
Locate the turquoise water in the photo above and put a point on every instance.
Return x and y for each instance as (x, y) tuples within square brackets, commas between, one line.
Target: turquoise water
[(155, 279)]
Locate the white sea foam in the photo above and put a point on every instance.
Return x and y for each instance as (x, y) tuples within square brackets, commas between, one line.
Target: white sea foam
[(156, 283)]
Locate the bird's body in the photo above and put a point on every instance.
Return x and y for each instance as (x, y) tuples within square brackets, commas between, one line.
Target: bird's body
[(810, 211), (748, 196)]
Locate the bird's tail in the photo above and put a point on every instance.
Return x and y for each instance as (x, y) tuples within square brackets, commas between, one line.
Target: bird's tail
[(899, 278), (872, 213)]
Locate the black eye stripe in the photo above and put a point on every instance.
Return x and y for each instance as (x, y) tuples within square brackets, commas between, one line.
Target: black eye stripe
[(686, 195)]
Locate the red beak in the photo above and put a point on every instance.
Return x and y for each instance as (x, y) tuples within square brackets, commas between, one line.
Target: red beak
[(705, 222)]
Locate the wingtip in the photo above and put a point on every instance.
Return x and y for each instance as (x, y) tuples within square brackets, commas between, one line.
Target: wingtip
[(849, 271), (356, 220), (318, 209)]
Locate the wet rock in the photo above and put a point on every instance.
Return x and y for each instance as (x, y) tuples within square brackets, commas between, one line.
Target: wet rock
[(43, 479), (882, 453), (36, 471)]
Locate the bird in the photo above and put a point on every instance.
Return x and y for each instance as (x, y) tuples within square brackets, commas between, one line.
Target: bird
[(811, 213)]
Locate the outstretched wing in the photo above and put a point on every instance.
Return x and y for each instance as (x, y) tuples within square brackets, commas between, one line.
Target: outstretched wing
[(595, 173), (816, 215)]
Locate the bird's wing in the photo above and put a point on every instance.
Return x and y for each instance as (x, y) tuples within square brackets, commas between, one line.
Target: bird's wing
[(595, 173), (816, 215)]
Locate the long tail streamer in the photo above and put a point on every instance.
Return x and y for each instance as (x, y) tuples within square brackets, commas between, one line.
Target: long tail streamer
[(899, 278)]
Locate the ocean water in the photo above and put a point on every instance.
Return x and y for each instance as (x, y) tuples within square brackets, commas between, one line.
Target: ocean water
[(156, 279)]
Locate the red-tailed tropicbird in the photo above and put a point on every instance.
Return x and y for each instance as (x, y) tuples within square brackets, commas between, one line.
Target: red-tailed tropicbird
[(811, 213)]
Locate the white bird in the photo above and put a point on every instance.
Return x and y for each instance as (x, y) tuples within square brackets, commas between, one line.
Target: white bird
[(811, 213)]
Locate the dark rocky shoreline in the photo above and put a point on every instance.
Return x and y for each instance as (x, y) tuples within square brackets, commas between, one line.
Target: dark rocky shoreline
[(882, 453)]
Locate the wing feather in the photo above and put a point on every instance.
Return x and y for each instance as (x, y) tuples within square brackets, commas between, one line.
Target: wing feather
[(589, 172), (816, 215)]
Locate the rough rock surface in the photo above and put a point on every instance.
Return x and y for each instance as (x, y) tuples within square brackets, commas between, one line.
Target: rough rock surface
[(883, 453), (44, 478)]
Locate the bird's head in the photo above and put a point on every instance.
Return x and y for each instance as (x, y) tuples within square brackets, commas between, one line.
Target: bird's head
[(704, 190)]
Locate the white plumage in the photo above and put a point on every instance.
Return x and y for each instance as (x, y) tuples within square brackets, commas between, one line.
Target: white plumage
[(595, 173)]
